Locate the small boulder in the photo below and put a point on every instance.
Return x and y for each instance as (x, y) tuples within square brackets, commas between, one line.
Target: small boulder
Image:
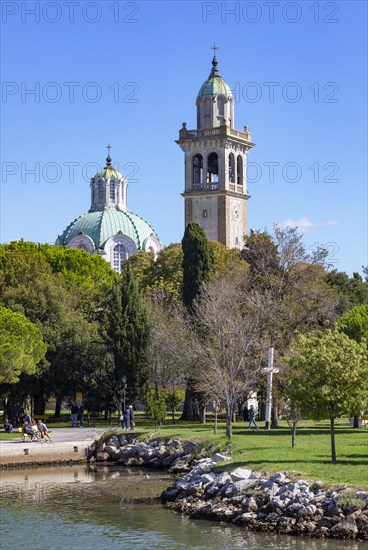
[(240, 473), (102, 457), (218, 457)]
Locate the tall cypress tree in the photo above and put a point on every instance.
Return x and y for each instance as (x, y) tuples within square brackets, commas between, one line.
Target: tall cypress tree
[(128, 334), (198, 261)]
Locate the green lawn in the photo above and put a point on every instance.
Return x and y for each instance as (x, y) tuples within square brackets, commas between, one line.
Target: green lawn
[(271, 450)]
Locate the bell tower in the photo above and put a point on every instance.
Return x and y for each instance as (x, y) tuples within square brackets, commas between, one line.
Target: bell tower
[(215, 191)]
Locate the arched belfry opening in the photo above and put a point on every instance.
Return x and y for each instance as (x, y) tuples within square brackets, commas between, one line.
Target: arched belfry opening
[(239, 170), (231, 168), (197, 170), (212, 168)]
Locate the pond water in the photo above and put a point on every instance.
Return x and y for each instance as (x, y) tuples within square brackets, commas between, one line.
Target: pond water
[(82, 507)]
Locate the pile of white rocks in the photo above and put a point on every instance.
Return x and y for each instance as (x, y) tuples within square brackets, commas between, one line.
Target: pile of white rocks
[(269, 503), (173, 455)]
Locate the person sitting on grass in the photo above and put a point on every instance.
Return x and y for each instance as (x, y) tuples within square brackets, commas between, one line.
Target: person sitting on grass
[(7, 426), (43, 431)]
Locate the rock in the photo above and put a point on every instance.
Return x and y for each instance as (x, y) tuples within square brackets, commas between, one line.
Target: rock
[(218, 457), (204, 466), (276, 478), (209, 477), (123, 440), (101, 448), (212, 489), (114, 441), (345, 527), (240, 473), (189, 447), (169, 495), (102, 457), (223, 479), (174, 443), (110, 450)]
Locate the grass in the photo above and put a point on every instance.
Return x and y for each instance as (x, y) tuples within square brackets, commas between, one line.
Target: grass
[(271, 450)]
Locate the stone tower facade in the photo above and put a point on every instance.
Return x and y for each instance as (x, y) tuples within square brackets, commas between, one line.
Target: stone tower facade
[(215, 165)]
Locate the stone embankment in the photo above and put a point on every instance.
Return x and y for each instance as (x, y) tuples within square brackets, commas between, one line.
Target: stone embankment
[(259, 502)]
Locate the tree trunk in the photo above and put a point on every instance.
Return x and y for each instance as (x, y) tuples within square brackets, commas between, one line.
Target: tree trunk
[(173, 415), (190, 409), (229, 426), (215, 426), (202, 412), (356, 422), (333, 448), (39, 404), (293, 434), (58, 406)]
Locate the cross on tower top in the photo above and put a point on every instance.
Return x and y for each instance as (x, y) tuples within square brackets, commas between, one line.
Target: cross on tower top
[(108, 147), (214, 48)]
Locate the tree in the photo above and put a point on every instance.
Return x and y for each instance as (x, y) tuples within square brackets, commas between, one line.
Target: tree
[(55, 289), (289, 289), (128, 333), (354, 323), (229, 344), (197, 262), (21, 346), (351, 291), (156, 405), (328, 377), (170, 345)]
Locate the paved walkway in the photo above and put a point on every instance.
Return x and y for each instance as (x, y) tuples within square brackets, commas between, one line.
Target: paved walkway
[(63, 446)]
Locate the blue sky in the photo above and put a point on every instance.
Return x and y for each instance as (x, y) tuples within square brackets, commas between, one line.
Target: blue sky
[(127, 73)]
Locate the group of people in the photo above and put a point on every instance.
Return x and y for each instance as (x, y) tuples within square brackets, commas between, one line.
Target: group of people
[(127, 418), (249, 415), (37, 431), (77, 414)]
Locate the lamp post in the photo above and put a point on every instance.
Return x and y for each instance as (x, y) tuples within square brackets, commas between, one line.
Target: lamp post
[(124, 381)]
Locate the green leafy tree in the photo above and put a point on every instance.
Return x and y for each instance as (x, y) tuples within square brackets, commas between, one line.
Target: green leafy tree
[(174, 398), (354, 323), (289, 290), (328, 377), (156, 405), (21, 346), (198, 263), (128, 333), (351, 291)]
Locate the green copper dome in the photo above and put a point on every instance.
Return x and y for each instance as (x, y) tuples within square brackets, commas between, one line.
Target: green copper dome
[(100, 226), (214, 84)]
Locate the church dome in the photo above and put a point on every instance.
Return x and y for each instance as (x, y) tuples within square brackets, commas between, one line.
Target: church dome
[(101, 226), (109, 228), (214, 85), (110, 172)]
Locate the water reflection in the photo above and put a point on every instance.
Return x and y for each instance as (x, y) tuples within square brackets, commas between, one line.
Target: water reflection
[(87, 507)]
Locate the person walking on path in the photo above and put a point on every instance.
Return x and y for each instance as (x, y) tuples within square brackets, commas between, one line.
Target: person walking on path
[(74, 414), (245, 414), (252, 417), (130, 419)]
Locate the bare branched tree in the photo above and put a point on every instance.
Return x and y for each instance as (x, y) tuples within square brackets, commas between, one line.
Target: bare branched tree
[(228, 345), (170, 349)]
